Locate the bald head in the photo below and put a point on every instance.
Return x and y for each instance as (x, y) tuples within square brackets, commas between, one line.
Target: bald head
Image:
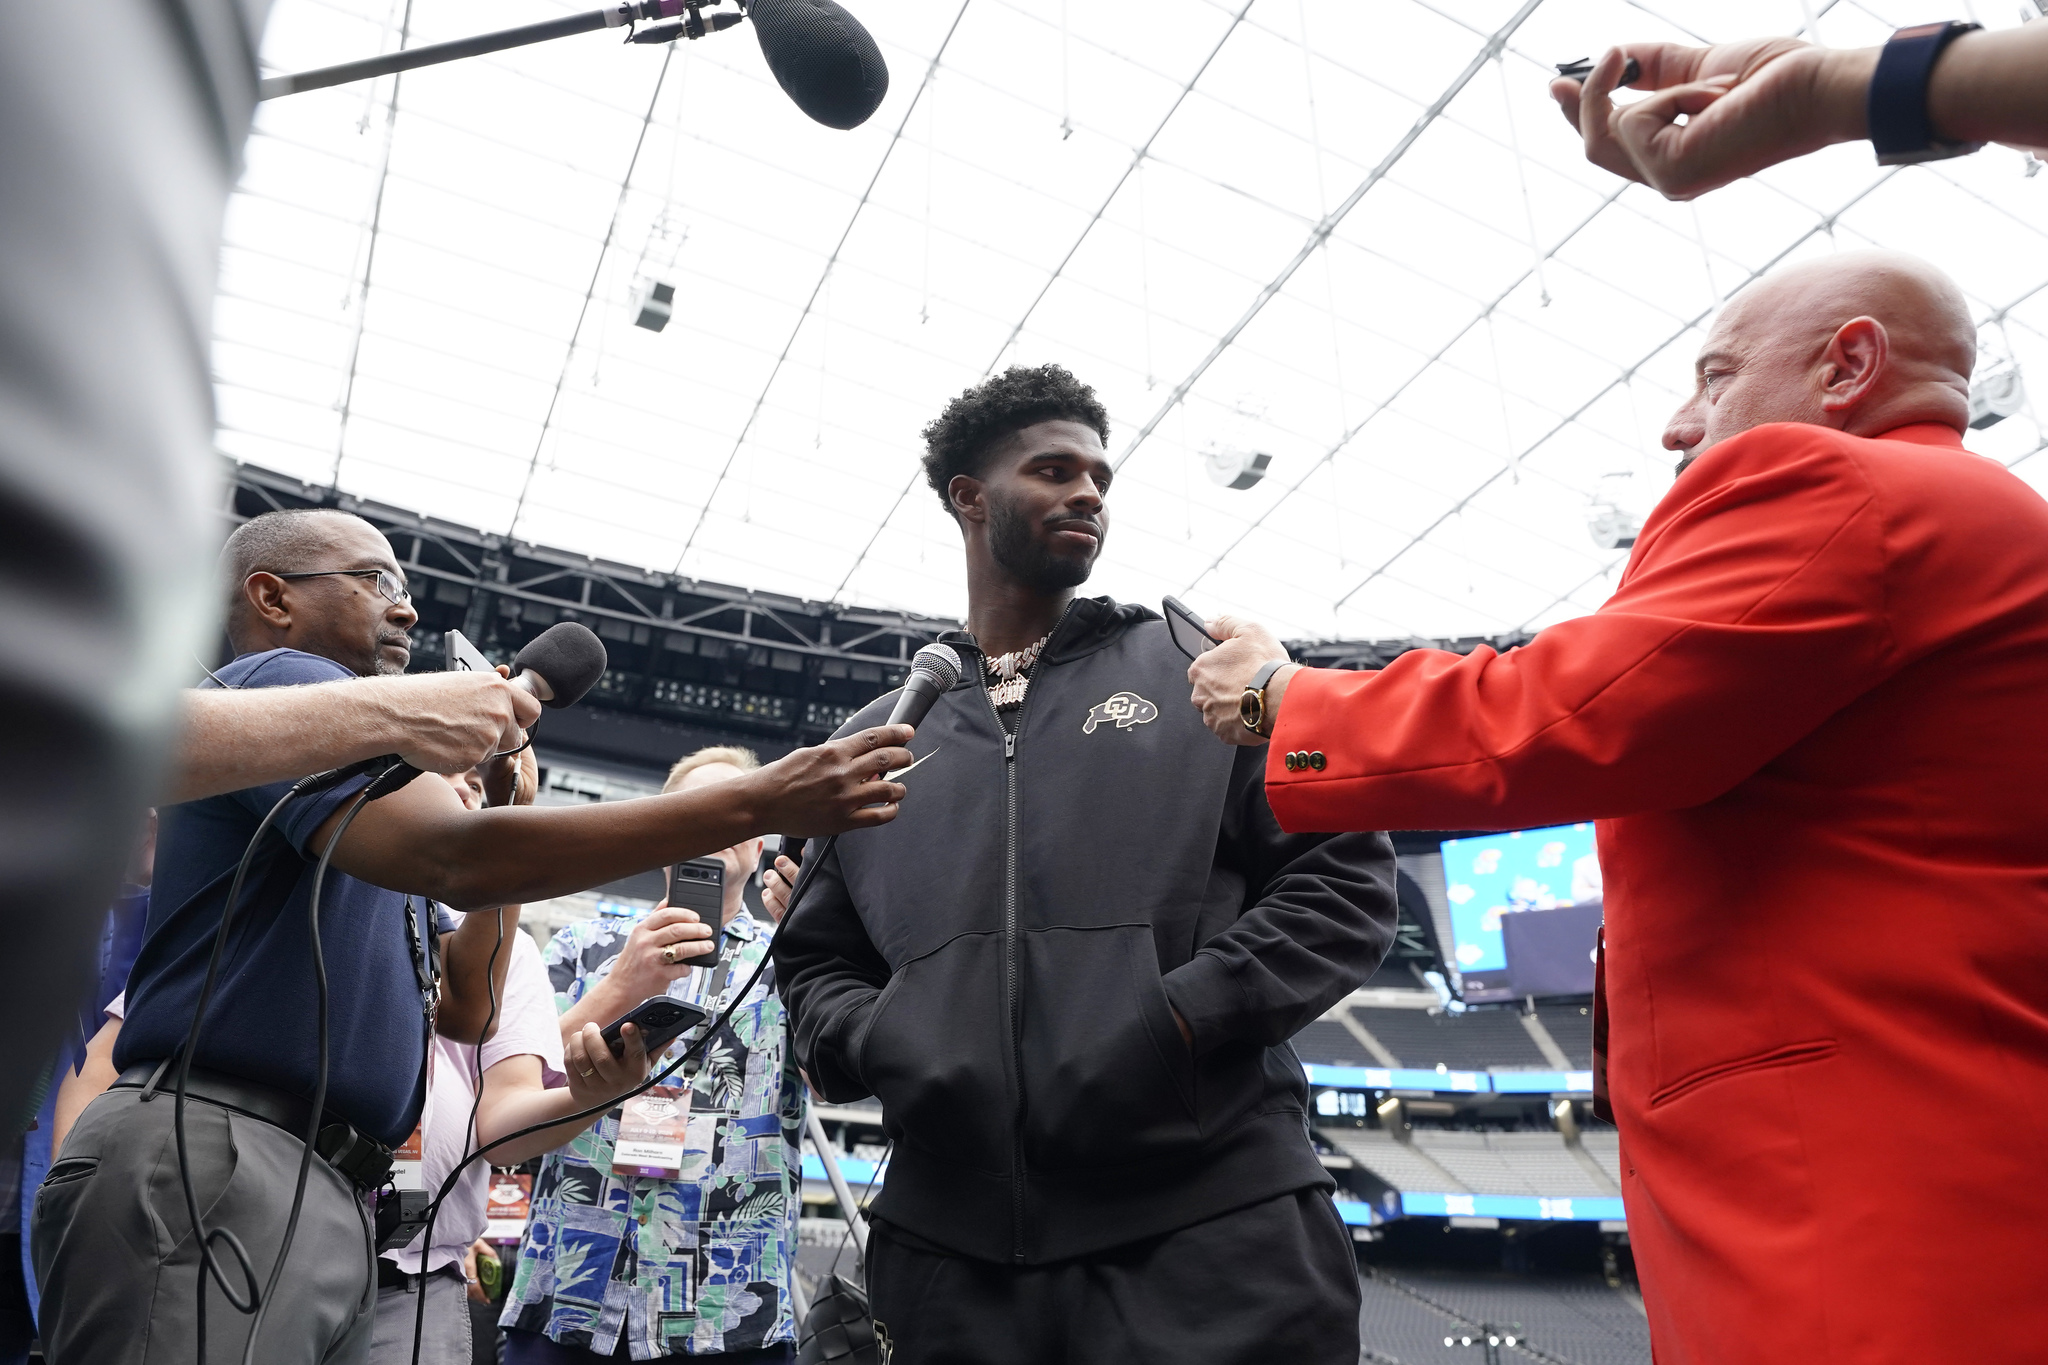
[(1863, 341)]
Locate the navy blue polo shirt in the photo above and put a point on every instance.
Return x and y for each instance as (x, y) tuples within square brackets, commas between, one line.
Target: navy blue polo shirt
[(262, 1023)]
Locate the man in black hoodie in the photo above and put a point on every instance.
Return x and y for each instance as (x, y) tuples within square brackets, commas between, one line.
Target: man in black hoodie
[(1070, 968)]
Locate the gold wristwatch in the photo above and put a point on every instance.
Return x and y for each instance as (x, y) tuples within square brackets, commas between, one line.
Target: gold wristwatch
[(1251, 707)]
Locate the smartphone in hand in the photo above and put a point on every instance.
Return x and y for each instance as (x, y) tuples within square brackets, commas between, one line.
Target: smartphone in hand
[(1186, 629), (699, 885), (661, 1020)]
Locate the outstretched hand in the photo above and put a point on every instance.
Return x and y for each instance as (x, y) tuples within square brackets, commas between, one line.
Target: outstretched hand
[(1746, 106), (833, 786)]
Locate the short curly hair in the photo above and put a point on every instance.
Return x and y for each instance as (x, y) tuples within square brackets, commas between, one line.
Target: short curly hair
[(961, 439)]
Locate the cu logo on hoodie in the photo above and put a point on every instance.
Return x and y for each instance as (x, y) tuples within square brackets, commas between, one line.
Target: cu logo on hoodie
[(1125, 708)]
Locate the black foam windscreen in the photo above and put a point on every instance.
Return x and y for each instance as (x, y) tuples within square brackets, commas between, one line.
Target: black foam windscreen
[(569, 656), (822, 58)]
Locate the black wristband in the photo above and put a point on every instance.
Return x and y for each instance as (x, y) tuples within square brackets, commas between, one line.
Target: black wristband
[(1900, 130)]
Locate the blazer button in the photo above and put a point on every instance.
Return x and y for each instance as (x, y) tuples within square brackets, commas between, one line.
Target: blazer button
[(1289, 761), (1317, 761)]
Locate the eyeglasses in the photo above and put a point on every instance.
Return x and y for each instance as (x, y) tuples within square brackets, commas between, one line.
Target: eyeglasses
[(1185, 628), (390, 584)]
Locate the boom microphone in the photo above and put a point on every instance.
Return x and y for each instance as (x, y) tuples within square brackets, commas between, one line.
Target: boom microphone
[(933, 671), (822, 58)]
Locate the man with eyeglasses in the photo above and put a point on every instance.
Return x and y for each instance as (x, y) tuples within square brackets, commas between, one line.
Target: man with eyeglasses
[(316, 598)]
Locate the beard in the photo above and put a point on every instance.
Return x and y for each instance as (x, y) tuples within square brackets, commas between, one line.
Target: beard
[(383, 665), (1013, 543)]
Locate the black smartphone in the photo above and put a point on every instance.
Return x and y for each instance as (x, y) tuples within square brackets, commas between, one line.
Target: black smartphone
[(1190, 636), (661, 1020), (792, 849), (699, 885), (1583, 67)]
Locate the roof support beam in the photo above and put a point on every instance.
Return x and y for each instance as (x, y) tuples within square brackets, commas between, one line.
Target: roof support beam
[(1320, 233)]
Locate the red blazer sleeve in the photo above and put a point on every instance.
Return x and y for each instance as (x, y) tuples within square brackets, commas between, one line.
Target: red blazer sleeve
[(1752, 609)]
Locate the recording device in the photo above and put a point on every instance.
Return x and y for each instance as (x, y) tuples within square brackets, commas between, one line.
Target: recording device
[(557, 666), (822, 58), (1189, 634), (933, 671), (792, 849), (463, 657), (1583, 67), (661, 1020), (401, 1216), (819, 54), (699, 885)]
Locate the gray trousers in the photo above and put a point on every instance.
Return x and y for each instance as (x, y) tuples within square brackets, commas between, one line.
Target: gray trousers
[(444, 1339), (121, 126), (119, 1267)]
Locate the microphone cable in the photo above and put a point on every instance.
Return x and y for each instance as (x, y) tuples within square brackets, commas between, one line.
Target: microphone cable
[(312, 1137), (254, 1301), (419, 1315), (207, 1263), (395, 773)]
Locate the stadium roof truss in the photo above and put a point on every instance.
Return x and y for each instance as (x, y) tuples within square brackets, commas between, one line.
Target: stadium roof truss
[(1355, 239)]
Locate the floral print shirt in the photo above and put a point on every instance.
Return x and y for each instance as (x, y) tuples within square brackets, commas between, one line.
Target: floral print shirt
[(698, 1265)]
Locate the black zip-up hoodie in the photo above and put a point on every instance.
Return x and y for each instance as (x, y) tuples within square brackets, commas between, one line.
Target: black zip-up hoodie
[(995, 964)]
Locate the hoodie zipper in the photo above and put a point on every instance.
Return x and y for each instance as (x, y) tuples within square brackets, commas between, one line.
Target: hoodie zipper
[(1014, 997), (1010, 985)]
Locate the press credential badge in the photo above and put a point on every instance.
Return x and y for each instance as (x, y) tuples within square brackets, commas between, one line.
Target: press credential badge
[(651, 1132)]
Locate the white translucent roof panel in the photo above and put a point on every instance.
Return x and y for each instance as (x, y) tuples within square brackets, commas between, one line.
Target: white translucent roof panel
[(1357, 238)]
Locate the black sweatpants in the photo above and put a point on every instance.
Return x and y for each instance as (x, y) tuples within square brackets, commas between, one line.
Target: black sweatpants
[(1273, 1282)]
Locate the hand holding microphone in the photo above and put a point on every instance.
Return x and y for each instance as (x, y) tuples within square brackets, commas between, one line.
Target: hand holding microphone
[(832, 787), (555, 669), (842, 785), (453, 721)]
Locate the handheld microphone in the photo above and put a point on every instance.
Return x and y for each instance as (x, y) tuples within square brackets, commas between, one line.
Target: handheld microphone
[(822, 58), (557, 667), (560, 664), (933, 671)]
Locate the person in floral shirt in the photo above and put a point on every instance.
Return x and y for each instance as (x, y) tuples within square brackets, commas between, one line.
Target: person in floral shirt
[(629, 1266)]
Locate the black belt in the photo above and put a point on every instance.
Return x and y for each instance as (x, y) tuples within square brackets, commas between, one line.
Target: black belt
[(357, 1156), (390, 1276)]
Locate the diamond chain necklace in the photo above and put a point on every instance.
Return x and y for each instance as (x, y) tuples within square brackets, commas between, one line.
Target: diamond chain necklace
[(1009, 674)]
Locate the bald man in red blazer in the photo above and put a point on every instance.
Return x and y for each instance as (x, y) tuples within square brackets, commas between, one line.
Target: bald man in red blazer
[(1812, 723)]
